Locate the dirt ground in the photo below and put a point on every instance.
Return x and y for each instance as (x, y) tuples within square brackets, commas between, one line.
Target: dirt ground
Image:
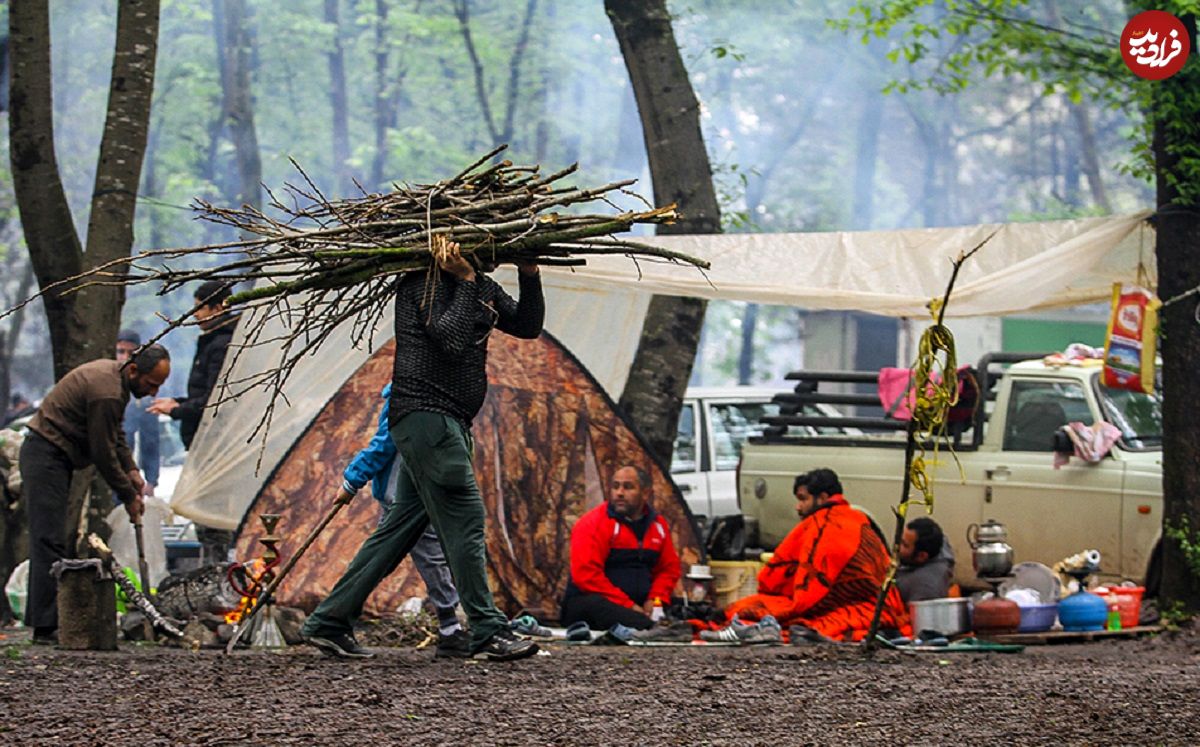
[(1132, 692)]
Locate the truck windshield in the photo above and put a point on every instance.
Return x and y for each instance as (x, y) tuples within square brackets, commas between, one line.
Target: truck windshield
[(1138, 415)]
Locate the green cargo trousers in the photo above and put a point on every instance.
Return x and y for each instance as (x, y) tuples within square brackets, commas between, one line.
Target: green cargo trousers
[(437, 485)]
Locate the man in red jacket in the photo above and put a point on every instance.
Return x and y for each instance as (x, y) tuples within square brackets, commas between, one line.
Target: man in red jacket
[(622, 558), (825, 575)]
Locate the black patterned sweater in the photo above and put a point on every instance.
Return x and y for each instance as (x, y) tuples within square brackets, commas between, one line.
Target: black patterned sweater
[(442, 330)]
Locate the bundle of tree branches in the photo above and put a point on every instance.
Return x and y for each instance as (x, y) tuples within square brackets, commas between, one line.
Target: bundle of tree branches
[(308, 264)]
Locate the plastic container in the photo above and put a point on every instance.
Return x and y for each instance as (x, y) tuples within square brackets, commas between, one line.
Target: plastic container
[(1083, 611), (1036, 618), (734, 579), (1129, 603)]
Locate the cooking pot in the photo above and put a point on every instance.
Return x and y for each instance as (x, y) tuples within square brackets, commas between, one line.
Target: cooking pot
[(946, 616)]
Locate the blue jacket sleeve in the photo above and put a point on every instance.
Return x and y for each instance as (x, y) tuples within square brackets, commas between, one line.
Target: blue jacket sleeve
[(374, 460)]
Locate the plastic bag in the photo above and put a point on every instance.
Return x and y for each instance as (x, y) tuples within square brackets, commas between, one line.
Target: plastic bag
[(17, 589), (1129, 348), (124, 543)]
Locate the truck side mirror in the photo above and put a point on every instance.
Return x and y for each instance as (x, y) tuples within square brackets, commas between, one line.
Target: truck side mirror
[(1063, 443)]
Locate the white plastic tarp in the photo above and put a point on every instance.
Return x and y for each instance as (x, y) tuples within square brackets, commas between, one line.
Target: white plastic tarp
[(597, 312)]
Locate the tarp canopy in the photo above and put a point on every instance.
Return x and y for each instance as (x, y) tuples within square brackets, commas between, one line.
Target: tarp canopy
[(597, 311)]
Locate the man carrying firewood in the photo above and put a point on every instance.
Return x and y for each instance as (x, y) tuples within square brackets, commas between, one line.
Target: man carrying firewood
[(443, 320)]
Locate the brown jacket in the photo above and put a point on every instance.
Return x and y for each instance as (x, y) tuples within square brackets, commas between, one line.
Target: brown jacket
[(82, 415)]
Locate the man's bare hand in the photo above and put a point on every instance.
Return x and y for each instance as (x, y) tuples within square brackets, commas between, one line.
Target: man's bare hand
[(527, 268), (135, 508), (449, 257), (136, 478), (162, 406)]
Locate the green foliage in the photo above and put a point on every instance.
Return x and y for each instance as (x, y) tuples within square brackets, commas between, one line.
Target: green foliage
[(1188, 542), (12, 653), (1073, 50), (1175, 614)]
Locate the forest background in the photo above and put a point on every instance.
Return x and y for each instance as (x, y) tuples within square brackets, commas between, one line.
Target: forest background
[(799, 130)]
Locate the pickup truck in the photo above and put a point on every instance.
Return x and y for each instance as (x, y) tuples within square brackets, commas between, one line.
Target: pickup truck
[(1006, 450), (713, 425)]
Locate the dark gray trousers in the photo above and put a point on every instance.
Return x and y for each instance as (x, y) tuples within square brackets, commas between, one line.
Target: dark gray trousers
[(46, 481)]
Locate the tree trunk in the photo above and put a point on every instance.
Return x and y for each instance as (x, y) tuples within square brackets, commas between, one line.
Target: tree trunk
[(12, 337), (237, 102), (384, 117), (1091, 161), (82, 324), (502, 133), (746, 356), (680, 172), (1178, 272), (343, 178), (865, 157)]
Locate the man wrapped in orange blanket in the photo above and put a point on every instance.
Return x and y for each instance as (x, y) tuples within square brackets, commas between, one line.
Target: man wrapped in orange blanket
[(826, 573)]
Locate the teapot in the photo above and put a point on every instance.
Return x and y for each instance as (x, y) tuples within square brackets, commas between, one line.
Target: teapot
[(991, 555)]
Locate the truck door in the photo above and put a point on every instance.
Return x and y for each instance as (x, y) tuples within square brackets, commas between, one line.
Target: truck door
[(686, 461), (1052, 513)]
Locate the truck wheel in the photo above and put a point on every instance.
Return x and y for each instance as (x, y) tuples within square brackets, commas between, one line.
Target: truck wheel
[(1153, 580)]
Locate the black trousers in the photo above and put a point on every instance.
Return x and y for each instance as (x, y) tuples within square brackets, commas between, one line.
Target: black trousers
[(601, 614), (46, 480)]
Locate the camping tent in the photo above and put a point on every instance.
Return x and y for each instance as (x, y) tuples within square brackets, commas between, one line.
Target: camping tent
[(546, 443)]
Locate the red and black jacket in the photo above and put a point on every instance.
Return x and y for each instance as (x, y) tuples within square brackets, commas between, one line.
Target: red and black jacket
[(626, 562)]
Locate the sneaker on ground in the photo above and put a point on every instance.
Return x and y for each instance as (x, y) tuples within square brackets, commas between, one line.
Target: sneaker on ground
[(457, 645), (765, 631), (676, 632), (579, 631), (801, 635), (505, 646), (731, 633), (342, 646), (528, 625)]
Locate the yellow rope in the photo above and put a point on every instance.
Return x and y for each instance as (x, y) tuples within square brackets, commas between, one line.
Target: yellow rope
[(935, 387)]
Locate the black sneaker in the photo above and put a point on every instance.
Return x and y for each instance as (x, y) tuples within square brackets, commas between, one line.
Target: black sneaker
[(505, 646), (342, 646), (457, 645)]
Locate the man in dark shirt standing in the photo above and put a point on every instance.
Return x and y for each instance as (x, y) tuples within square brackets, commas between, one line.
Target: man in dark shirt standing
[(439, 380), (217, 325), (79, 423)]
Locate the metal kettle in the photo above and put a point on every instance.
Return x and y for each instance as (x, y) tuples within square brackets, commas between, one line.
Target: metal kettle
[(991, 555)]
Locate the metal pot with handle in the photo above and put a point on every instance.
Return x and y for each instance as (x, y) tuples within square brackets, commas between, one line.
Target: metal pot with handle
[(991, 555)]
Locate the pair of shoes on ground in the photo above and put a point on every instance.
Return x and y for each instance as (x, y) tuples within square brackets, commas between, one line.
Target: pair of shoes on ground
[(527, 625), (503, 646), (674, 632), (764, 632)]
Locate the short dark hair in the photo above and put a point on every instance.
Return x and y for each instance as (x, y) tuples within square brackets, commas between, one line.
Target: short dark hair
[(643, 477), (129, 335), (819, 481), (213, 292), (150, 357), (929, 536)]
